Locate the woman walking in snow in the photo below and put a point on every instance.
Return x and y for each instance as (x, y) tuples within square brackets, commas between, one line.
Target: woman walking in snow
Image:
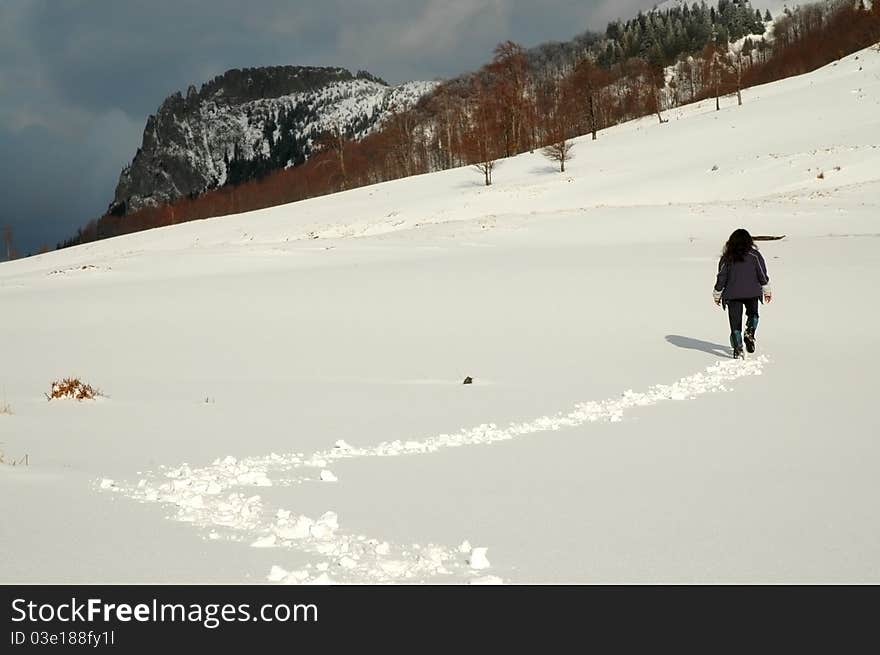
[(742, 283)]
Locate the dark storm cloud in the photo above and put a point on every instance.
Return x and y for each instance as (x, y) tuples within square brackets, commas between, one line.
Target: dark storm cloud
[(79, 77)]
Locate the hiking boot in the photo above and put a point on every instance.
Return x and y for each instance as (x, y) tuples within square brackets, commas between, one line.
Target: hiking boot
[(749, 337)]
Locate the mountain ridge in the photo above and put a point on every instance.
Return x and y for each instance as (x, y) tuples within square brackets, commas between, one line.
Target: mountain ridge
[(246, 122)]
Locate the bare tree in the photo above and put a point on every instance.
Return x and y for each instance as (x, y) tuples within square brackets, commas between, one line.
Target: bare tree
[(401, 126), (446, 124), (557, 101), (559, 151), (658, 103), (714, 63), (587, 79), (486, 167), (510, 69), (690, 79), (738, 66), (8, 242), (485, 132)]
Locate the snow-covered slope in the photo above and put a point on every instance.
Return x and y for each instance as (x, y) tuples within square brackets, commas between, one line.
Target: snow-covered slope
[(285, 385)]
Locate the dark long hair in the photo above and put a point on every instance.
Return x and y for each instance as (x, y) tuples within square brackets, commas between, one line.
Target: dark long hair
[(737, 247)]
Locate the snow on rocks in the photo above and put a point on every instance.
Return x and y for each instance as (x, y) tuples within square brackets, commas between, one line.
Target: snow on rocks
[(347, 562), (216, 496), (280, 575), (325, 527), (300, 528), (478, 560), (269, 541), (277, 574)]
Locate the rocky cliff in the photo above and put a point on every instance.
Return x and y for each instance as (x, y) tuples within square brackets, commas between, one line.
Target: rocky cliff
[(248, 122)]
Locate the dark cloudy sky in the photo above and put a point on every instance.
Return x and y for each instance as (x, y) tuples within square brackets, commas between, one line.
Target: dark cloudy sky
[(78, 78)]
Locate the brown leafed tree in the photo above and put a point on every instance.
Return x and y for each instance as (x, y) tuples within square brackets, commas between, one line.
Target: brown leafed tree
[(334, 141), (510, 70), (587, 80), (557, 102), (485, 133), (401, 129), (444, 106)]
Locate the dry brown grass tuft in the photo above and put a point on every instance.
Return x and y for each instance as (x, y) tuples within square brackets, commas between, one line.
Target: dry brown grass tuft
[(73, 388), (24, 461), (5, 409)]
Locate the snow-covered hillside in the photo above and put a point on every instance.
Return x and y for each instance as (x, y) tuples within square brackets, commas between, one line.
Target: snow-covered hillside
[(283, 388), (192, 142)]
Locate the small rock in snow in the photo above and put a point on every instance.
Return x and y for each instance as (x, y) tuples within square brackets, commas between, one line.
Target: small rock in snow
[(327, 476)]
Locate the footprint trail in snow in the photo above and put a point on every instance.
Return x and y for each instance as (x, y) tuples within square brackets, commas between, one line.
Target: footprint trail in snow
[(219, 497)]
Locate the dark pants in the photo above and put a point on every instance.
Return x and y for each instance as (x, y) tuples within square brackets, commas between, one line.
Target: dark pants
[(735, 313)]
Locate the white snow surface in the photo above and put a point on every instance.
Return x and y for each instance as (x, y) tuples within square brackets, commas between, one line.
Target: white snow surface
[(248, 362)]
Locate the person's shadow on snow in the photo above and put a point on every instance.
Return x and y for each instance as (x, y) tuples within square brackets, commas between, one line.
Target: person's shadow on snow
[(696, 344)]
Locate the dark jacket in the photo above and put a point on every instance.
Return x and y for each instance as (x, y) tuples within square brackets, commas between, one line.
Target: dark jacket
[(741, 280)]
